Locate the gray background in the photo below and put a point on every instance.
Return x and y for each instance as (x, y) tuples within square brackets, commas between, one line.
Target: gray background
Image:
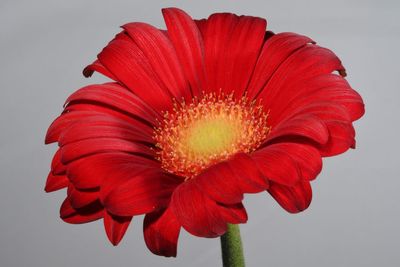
[(354, 218)]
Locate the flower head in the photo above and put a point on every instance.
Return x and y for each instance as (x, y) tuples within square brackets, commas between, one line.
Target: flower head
[(197, 116)]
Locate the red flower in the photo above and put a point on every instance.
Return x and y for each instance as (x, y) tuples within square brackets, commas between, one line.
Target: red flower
[(197, 116)]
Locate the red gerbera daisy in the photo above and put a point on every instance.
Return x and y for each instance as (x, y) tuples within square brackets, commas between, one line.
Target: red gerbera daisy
[(197, 116)]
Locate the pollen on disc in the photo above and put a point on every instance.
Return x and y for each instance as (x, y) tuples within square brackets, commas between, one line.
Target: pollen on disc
[(197, 135)]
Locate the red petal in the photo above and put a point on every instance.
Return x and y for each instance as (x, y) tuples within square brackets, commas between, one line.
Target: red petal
[(62, 122), (248, 178), (115, 227), (97, 66), (197, 213), (307, 62), (186, 38), (91, 111), (55, 182), (329, 88), (116, 97), (276, 164), (128, 63), (293, 199), (109, 100), (89, 213), (90, 172), (66, 208), (161, 231), (201, 25), (341, 138), (57, 168), (80, 198), (216, 31), (246, 41), (307, 158), (89, 147), (104, 127), (276, 50), (162, 57), (141, 193), (232, 45), (123, 170), (234, 213), (324, 110), (307, 126), (219, 183)]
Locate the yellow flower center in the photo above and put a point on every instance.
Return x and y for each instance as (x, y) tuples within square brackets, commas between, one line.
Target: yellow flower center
[(211, 135), (195, 136)]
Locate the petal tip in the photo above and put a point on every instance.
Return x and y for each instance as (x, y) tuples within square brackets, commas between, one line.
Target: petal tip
[(87, 72), (342, 72)]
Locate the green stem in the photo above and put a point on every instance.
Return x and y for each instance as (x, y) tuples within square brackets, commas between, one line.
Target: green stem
[(231, 246)]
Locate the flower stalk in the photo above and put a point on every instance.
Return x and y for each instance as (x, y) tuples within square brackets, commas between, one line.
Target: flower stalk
[(231, 246)]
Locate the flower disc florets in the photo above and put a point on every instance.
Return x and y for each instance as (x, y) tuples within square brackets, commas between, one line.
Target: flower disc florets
[(195, 136)]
